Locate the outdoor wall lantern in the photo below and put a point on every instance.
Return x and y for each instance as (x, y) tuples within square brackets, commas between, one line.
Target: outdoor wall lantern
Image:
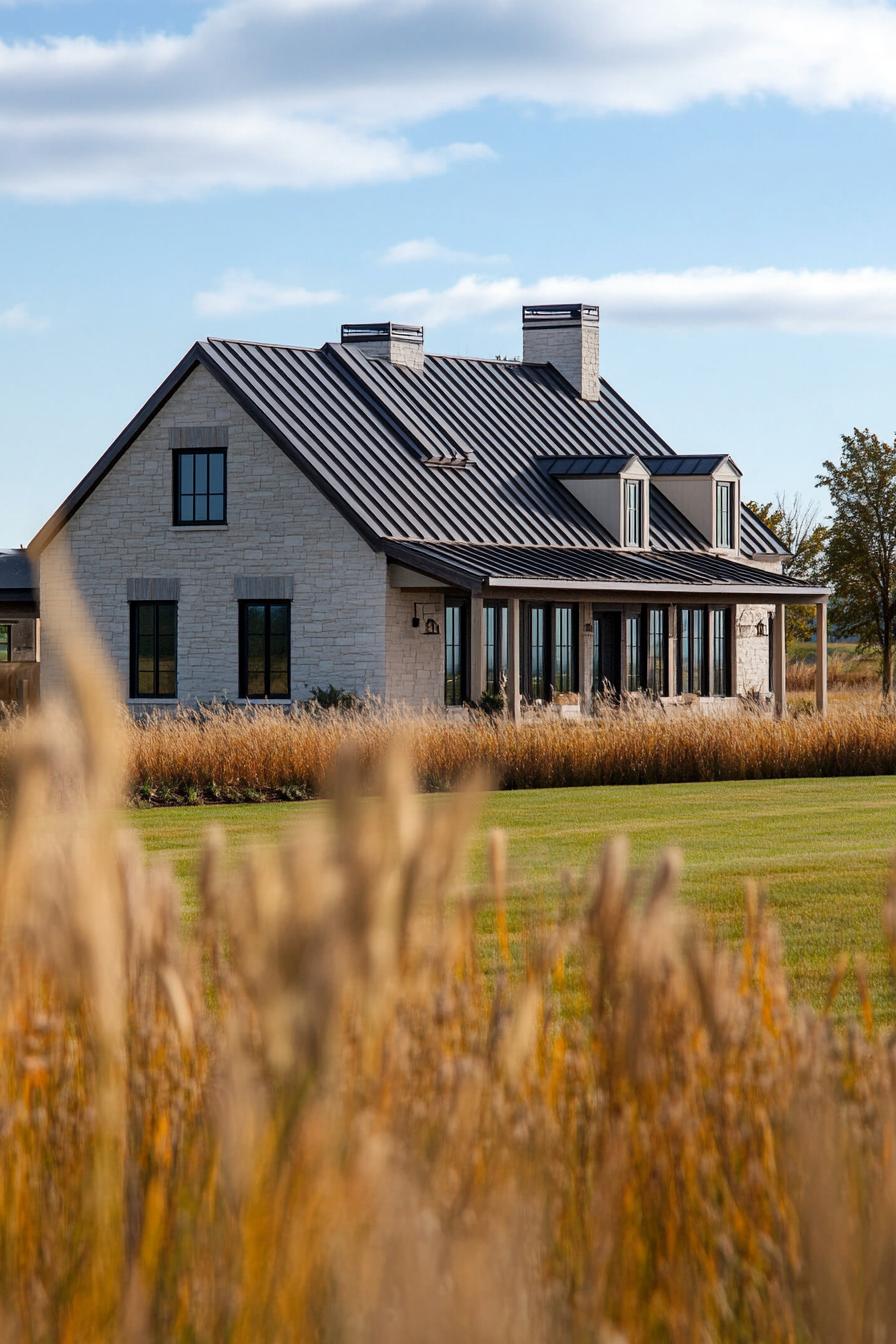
[(429, 623), (761, 629)]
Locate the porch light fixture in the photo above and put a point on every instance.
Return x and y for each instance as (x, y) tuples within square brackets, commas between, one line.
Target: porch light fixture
[(761, 629), (431, 627), (429, 623)]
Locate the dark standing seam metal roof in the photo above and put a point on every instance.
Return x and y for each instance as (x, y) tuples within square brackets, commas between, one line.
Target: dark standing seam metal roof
[(478, 564), (446, 456), (690, 465)]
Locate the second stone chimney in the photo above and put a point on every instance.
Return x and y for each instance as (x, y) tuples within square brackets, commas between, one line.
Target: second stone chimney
[(566, 335), (393, 341)]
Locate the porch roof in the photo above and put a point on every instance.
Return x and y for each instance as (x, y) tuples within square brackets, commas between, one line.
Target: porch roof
[(17, 582), (615, 571)]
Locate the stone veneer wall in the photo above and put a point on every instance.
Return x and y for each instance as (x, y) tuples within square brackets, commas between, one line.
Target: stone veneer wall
[(752, 651), (279, 525), (415, 661)]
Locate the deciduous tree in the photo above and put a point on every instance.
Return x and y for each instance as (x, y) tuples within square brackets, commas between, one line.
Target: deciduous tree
[(795, 522), (860, 557)]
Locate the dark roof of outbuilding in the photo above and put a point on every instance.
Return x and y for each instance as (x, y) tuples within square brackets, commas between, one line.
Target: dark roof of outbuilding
[(449, 455), (16, 577)]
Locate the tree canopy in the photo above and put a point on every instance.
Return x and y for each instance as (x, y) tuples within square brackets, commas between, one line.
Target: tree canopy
[(860, 556)]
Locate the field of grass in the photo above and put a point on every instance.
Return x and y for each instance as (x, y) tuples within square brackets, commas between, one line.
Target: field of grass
[(820, 847)]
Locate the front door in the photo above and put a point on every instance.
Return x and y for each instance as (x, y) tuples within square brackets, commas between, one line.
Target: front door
[(607, 665)]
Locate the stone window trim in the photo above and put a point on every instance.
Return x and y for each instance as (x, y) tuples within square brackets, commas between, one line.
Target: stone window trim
[(154, 590), (263, 588)]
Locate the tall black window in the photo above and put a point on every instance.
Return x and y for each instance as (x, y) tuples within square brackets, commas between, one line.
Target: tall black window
[(536, 678), (720, 618), (692, 651), (495, 617), (724, 520), (153, 650), (633, 511), (655, 678), (456, 616), (200, 488), (5, 643), (633, 652), (563, 675), (551, 664), (264, 650)]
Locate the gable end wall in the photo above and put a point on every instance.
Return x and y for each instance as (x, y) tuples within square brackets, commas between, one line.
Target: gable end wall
[(279, 525)]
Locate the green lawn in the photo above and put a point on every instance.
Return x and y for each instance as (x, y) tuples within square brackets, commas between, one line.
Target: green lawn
[(821, 847)]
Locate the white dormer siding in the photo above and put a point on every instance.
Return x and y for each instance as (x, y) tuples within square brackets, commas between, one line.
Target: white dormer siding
[(608, 498), (699, 497)]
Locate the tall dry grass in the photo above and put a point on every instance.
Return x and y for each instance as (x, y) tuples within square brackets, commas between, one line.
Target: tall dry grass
[(315, 1119), (265, 754), (846, 672)]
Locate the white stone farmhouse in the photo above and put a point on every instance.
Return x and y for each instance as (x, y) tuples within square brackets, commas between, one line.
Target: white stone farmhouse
[(424, 528)]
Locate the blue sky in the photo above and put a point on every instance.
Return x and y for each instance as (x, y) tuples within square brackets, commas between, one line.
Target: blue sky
[(716, 175)]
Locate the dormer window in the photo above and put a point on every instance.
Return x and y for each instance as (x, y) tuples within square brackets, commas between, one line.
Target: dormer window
[(634, 513), (724, 515)]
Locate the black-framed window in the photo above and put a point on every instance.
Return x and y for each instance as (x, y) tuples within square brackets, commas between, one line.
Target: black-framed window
[(633, 680), (200, 487), (634, 511), (551, 649), (5, 643), (495, 619), (720, 630), (724, 515), (264, 650), (153, 650), (655, 651), (692, 651), (704, 650), (457, 618)]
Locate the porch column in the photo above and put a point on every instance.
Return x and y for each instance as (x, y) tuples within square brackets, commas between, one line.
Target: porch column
[(477, 648), (586, 652), (821, 657), (779, 660), (672, 653), (514, 709)]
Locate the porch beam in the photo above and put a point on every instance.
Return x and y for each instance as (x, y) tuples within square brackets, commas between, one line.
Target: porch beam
[(821, 657), (779, 660), (514, 704), (477, 648)]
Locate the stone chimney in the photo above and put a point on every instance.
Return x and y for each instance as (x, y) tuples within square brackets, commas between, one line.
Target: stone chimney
[(393, 341), (567, 336)]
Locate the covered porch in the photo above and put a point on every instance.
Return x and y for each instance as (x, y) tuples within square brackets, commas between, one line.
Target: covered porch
[(699, 631)]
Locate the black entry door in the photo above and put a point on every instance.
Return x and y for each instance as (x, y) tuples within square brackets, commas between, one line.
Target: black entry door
[(607, 652)]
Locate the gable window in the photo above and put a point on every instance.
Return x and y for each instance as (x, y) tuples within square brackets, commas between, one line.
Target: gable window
[(495, 617), (456, 625), (724, 515), (634, 522), (551, 664), (264, 650), (692, 651), (153, 650), (5, 643), (200, 488)]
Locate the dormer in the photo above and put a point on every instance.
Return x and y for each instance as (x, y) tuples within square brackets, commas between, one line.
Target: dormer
[(706, 489), (616, 490)]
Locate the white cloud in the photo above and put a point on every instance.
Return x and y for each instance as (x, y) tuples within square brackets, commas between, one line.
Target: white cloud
[(299, 93), (857, 300), (18, 318), (243, 292), (416, 250)]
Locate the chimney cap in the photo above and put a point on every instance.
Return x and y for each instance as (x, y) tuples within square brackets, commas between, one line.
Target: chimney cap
[(357, 332), (560, 315)]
